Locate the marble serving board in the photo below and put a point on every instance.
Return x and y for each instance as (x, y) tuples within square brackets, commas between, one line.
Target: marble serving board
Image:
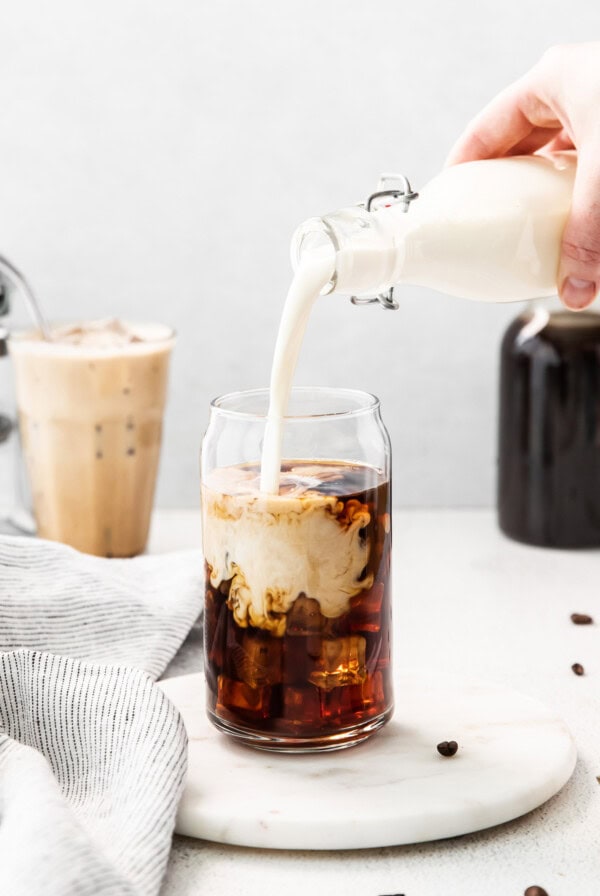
[(514, 754)]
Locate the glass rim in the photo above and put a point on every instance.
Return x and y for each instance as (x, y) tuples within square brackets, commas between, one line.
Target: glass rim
[(368, 403)]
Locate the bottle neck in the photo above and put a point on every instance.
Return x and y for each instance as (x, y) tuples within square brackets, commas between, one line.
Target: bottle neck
[(366, 248)]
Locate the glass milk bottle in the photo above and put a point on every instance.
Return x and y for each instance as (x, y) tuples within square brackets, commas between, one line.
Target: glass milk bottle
[(487, 230)]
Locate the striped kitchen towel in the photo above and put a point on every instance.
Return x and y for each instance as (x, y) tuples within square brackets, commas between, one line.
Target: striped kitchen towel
[(92, 754)]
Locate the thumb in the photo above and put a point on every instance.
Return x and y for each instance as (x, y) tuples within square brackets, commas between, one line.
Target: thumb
[(579, 268)]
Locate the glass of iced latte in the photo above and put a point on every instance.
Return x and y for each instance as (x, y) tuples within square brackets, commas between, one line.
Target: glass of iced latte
[(298, 600), (90, 405)]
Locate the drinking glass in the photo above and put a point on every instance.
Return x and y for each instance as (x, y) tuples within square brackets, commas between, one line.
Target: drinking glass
[(298, 594), (90, 419)]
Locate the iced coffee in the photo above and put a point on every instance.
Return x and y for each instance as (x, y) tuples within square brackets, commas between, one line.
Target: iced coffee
[(90, 412), (297, 613)]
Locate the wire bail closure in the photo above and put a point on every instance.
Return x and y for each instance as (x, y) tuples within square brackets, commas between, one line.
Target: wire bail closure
[(404, 195)]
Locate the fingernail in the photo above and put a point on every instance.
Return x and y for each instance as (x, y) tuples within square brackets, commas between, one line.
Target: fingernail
[(576, 293)]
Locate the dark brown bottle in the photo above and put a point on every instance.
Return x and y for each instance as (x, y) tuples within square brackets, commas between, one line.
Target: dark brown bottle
[(549, 429)]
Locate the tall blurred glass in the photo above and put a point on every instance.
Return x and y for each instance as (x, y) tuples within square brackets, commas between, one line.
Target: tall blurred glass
[(91, 423), (298, 591)]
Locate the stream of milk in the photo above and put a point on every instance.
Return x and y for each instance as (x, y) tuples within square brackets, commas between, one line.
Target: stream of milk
[(313, 273)]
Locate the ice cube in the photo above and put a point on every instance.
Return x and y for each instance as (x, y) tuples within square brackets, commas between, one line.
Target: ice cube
[(236, 696), (257, 660), (301, 704), (215, 625), (373, 692), (298, 479), (342, 662), (367, 698), (365, 609)]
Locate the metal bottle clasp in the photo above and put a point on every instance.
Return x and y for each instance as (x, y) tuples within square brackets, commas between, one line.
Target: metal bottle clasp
[(404, 195)]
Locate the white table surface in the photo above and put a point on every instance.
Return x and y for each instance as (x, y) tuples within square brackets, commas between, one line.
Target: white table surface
[(470, 601)]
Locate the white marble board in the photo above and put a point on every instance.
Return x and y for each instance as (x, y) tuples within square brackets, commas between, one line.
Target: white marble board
[(514, 754)]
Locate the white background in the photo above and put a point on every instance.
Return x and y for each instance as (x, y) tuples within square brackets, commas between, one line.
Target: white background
[(155, 158)]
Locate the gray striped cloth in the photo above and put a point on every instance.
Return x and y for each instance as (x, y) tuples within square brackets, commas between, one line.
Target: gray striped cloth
[(92, 755)]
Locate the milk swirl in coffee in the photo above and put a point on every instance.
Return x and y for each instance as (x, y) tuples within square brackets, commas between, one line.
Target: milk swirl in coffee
[(270, 566), (298, 600)]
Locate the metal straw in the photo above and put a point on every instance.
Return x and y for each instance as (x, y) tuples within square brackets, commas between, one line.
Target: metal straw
[(8, 270)]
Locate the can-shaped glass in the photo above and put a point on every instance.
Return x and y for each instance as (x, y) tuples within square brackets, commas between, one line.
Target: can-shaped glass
[(297, 623)]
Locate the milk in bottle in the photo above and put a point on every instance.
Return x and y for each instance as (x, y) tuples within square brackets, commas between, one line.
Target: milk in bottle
[(487, 230)]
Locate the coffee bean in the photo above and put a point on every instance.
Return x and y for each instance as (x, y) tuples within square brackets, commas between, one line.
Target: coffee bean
[(578, 669), (581, 619), (447, 748), (535, 891)]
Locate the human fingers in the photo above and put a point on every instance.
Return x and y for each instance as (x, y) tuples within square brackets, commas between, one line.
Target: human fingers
[(511, 118), (539, 138), (579, 268), (559, 143)]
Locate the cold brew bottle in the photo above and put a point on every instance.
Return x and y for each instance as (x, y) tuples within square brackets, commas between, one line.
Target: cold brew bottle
[(549, 429)]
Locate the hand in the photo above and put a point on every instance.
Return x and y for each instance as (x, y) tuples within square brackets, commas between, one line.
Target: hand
[(554, 106)]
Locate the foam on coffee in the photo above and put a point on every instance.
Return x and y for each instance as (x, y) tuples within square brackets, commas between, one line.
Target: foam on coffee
[(101, 336), (108, 333), (274, 548)]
